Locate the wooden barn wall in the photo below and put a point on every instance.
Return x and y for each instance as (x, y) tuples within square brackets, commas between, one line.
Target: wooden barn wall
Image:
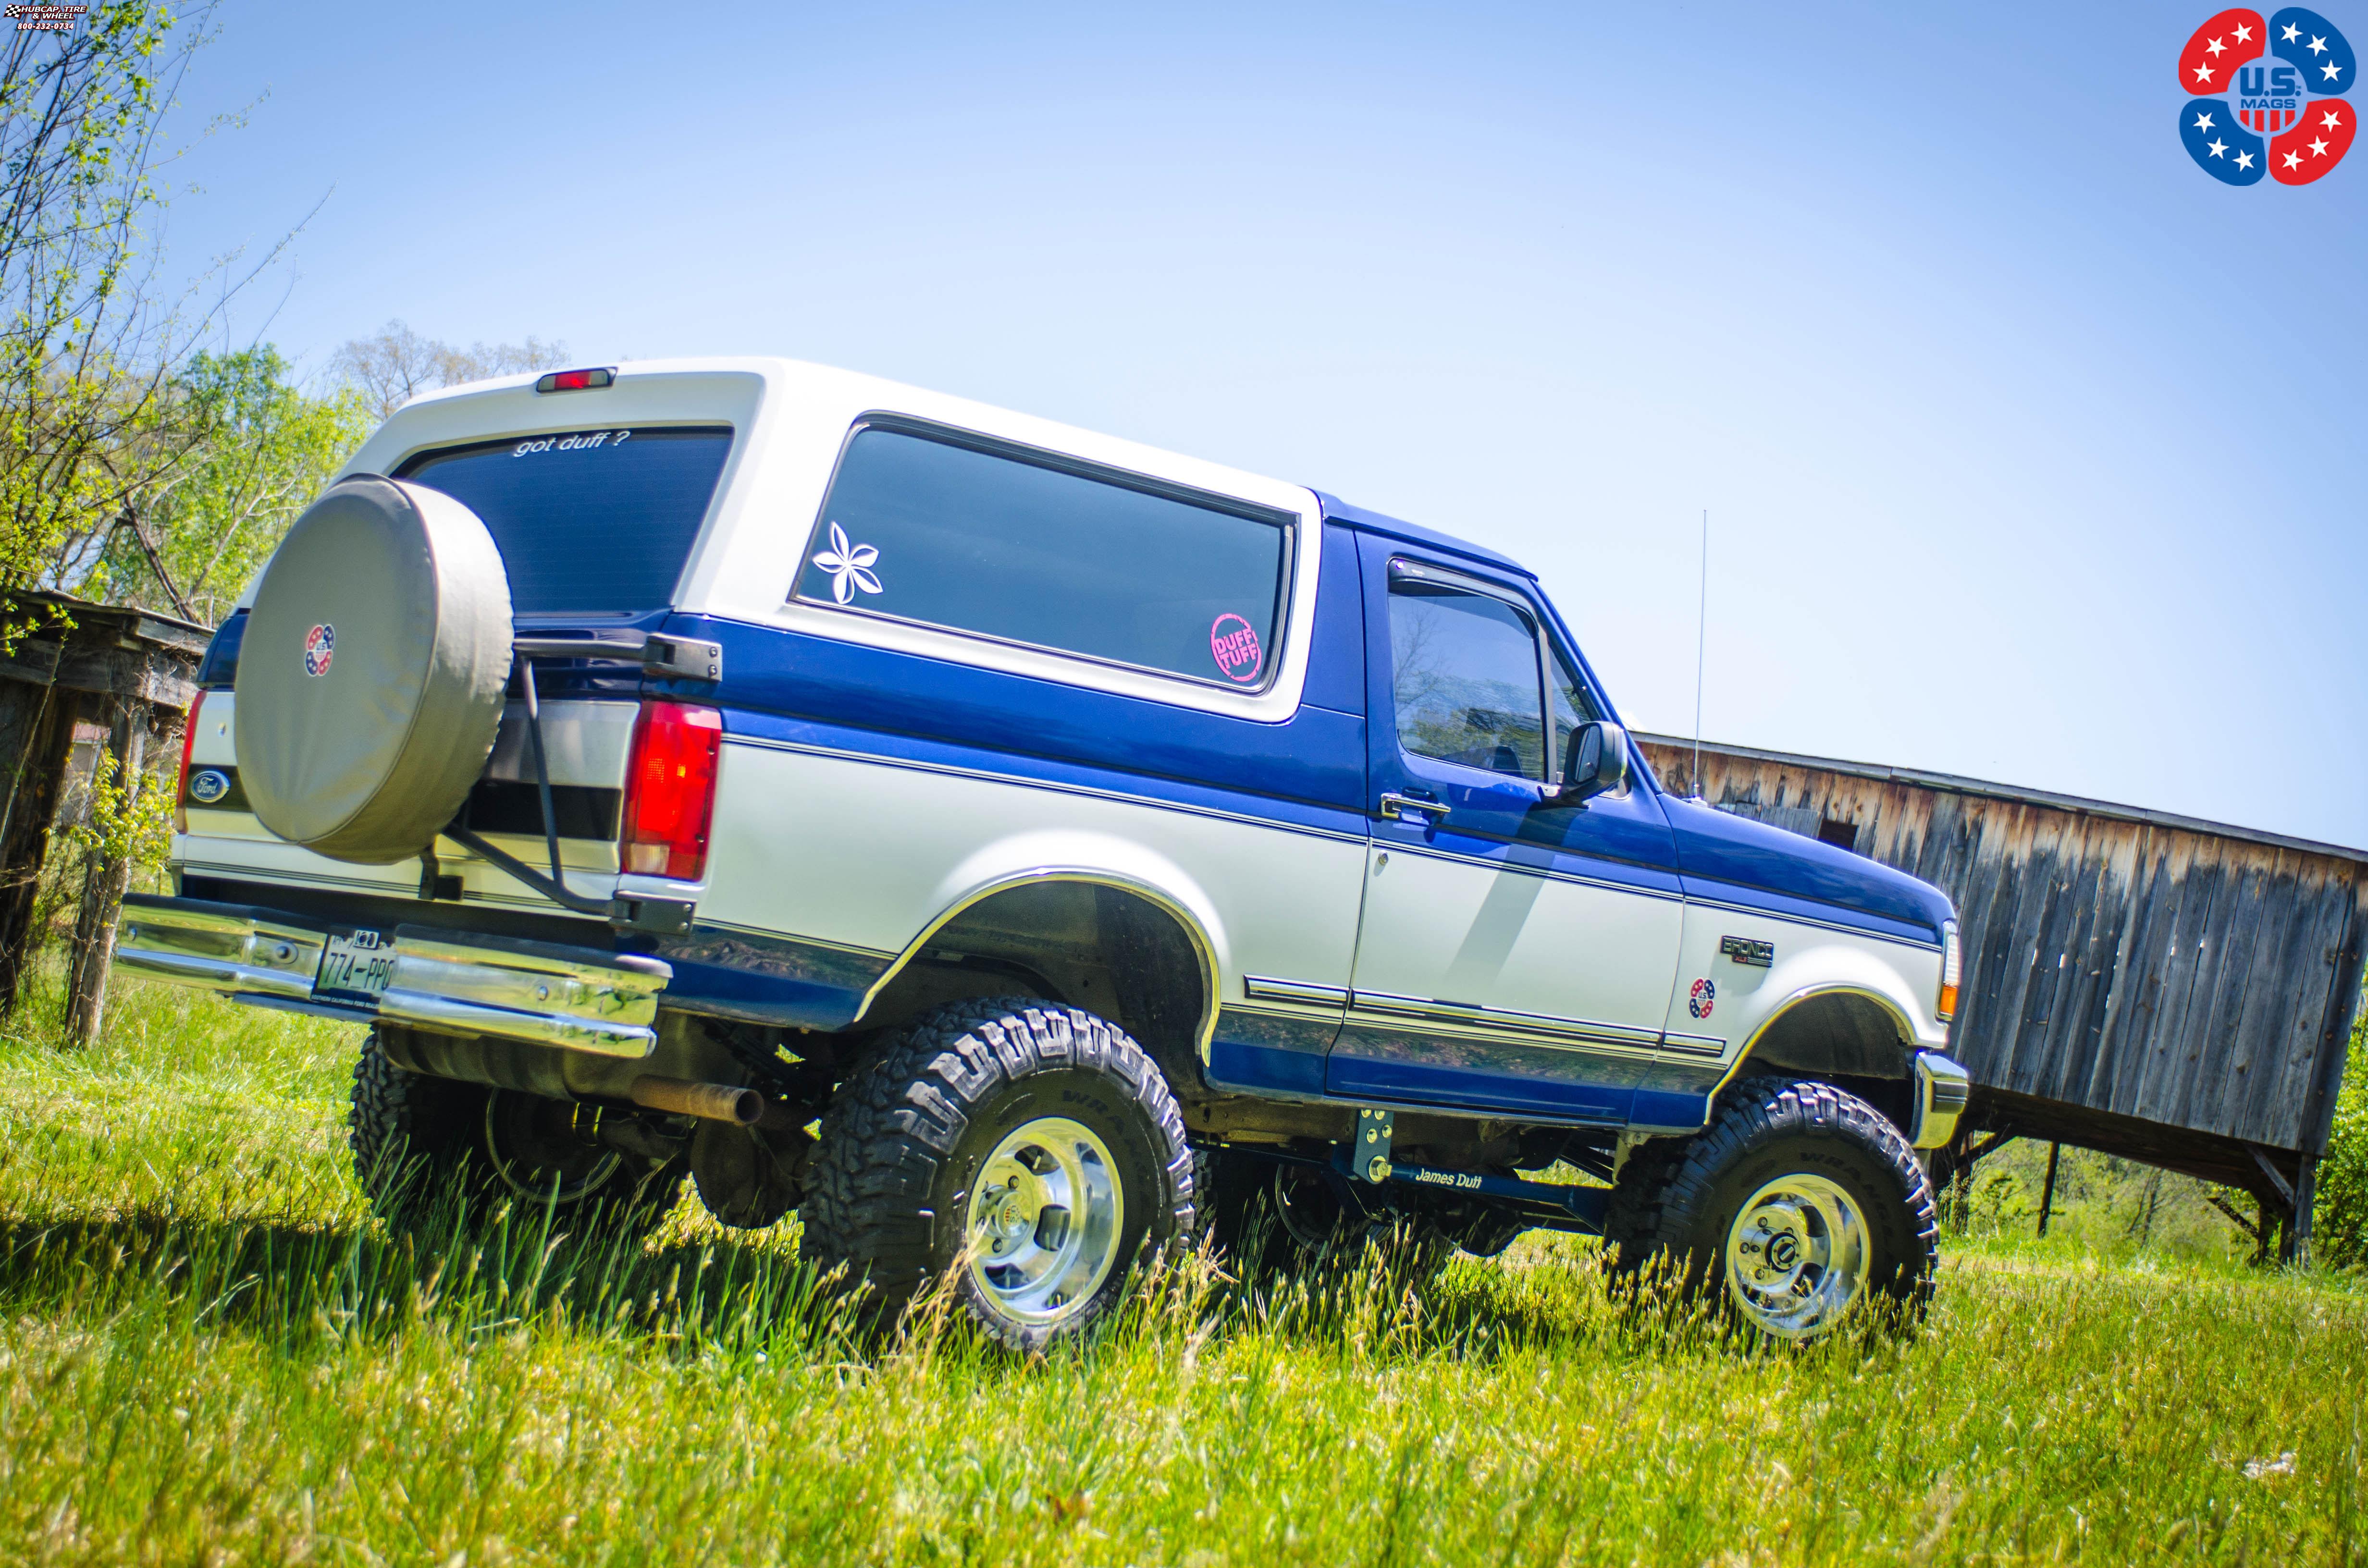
[(2180, 976)]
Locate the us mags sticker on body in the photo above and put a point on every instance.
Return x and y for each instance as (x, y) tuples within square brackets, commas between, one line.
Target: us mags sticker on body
[(320, 646), (1234, 643), (1705, 997)]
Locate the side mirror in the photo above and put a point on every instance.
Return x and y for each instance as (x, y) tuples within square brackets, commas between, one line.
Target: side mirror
[(1596, 763)]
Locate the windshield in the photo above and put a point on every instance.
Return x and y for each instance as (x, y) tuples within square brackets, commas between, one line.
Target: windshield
[(588, 521)]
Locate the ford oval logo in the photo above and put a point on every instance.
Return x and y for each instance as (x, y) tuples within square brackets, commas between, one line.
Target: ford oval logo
[(208, 785)]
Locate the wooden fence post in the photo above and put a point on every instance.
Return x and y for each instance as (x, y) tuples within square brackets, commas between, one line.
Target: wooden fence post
[(104, 882), (37, 724), (2295, 1247), (2047, 1188)]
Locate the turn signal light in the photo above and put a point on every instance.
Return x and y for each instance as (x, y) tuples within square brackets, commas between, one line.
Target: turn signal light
[(1952, 967), (670, 790), (181, 785), (575, 380)]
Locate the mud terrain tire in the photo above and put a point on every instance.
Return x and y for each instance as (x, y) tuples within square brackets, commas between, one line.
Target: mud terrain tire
[(1677, 1212), (424, 1152), (923, 1125)]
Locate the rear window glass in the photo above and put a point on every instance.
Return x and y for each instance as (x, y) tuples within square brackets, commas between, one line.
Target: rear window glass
[(588, 521), (927, 529)]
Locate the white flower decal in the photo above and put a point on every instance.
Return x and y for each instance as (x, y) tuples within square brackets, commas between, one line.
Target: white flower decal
[(848, 565)]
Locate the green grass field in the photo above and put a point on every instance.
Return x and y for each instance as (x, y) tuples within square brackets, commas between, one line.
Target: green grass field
[(207, 1354)]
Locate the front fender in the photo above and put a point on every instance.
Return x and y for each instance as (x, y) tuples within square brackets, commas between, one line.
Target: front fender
[(1848, 968)]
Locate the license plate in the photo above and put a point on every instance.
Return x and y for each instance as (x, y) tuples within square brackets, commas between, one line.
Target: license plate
[(355, 968)]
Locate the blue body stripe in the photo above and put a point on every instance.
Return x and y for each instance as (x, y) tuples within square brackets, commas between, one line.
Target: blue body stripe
[(760, 978), (1269, 1053), (1373, 1060), (1388, 1076)]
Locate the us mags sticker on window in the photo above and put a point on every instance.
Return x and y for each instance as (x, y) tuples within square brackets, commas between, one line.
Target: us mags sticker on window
[(1234, 643)]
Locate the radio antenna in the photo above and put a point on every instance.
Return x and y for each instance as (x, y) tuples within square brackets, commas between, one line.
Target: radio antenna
[(1701, 638)]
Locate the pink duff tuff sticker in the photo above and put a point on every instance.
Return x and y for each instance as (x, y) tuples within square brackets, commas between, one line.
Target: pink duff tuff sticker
[(1233, 643)]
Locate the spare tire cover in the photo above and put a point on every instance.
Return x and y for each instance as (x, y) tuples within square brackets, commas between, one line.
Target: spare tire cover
[(370, 684)]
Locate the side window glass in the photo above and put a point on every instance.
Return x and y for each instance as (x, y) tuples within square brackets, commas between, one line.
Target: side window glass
[(948, 534), (1464, 674), (1567, 698)]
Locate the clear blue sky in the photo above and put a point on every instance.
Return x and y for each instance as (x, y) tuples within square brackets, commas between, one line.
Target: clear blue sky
[(2031, 452)]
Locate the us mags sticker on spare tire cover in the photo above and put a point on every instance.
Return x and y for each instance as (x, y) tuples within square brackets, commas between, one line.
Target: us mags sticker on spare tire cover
[(320, 646), (1234, 643)]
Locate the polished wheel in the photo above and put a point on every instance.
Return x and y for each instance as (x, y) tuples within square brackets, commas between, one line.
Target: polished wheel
[(537, 1150), (1044, 1221), (1796, 1256), (1309, 1211)]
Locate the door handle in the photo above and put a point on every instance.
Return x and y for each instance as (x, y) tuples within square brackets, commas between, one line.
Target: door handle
[(1394, 806)]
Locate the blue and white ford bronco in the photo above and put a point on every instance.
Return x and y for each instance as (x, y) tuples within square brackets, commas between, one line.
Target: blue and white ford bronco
[(1020, 851)]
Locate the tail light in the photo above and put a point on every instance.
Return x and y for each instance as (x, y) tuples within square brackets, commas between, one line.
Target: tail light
[(1953, 968), (670, 790), (181, 784)]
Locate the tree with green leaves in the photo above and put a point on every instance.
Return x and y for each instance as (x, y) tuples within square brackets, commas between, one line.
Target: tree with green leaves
[(88, 346), (256, 447)]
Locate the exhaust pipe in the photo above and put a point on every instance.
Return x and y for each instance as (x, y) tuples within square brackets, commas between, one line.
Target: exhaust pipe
[(709, 1102)]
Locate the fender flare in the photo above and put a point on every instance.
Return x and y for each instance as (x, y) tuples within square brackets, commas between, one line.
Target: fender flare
[(1197, 923), (1908, 1044)]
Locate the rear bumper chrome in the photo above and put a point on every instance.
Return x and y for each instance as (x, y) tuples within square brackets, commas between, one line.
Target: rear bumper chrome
[(452, 982)]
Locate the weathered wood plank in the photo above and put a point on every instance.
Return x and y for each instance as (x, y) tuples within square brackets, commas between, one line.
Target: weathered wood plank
[(2150, 969)]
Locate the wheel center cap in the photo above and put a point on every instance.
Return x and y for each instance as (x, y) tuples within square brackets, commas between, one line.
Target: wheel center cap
[(1783, 1251)]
